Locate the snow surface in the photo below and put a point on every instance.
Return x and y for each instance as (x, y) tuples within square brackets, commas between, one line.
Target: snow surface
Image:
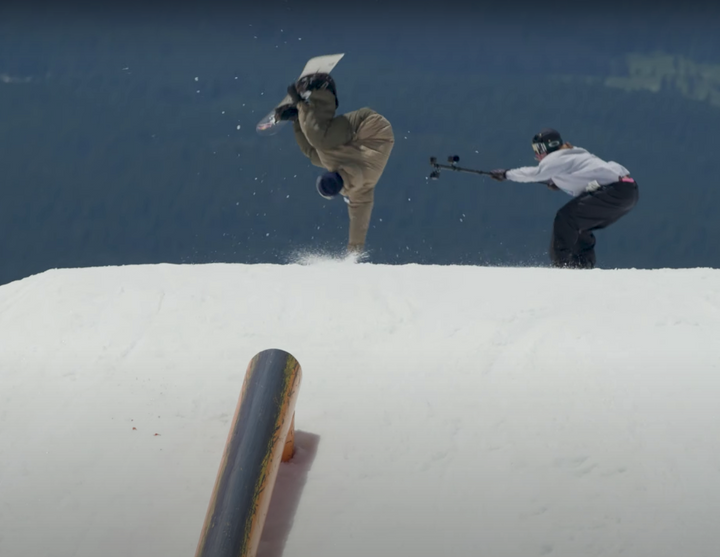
[(443, 410)]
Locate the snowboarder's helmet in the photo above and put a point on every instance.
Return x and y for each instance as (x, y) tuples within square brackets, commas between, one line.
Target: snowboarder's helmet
[(547, 141), (316, 81)]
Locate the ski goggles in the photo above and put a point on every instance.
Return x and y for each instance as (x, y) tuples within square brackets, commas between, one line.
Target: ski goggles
[(540, 151), (542, 148)]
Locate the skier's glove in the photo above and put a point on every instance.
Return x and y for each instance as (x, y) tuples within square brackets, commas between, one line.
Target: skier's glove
[(294, 95), (551, 186), (498, 174), (286, 112)]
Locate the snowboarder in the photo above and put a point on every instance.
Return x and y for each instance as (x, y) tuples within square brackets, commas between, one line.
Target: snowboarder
[(353, 148), (602, 193)]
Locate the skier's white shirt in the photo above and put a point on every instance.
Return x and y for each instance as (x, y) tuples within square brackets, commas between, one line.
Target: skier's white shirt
[(571, 170)]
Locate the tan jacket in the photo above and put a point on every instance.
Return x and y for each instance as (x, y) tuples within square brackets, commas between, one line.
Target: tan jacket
[(356, 145)]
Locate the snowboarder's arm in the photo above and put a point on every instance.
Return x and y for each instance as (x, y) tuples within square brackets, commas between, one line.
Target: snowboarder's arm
[(539, 173), (308, 150), (360, 210), (322, 128)]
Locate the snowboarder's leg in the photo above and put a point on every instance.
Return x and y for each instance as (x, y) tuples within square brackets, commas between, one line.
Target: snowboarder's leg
[(564, 237), (573, 244), (585, 258)]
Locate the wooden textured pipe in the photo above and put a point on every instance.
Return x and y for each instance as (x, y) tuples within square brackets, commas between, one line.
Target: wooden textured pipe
[(261, 436)]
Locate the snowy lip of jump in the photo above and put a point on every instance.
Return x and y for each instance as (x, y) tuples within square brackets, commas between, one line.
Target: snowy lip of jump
[(319, 257), (566, 409)]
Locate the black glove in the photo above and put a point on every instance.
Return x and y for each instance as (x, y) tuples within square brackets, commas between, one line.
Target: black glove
[(286, 112), (317, 81), (294, 95), (498, 174)]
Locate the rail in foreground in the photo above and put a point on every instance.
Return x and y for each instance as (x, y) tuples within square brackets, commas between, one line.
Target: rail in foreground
[(261, 436)]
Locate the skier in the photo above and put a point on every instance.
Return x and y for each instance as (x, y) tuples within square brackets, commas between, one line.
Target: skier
[(602, 193), (353, 148)]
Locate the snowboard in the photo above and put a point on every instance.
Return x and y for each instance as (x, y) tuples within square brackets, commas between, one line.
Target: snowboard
[(324, 64)]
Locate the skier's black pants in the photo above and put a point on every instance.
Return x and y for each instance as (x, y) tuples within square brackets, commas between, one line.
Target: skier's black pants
[(573, 243)]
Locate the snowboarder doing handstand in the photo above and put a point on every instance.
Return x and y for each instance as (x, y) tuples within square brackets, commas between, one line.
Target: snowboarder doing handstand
[(602, 193), (353, 148)]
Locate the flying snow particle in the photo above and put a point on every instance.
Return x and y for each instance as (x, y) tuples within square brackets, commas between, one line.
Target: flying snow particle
[(237, 128), (197, 79)]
